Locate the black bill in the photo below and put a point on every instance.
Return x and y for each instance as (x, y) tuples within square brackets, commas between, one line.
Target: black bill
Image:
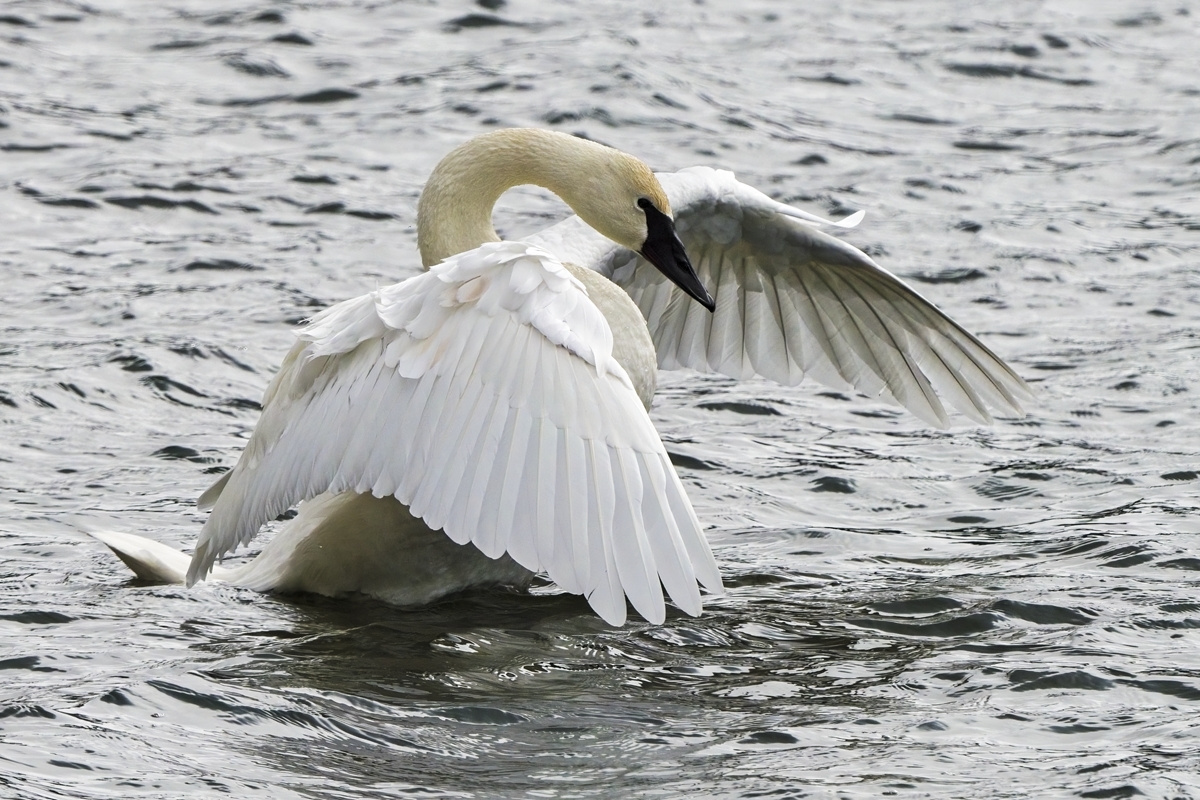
[(664, 250)]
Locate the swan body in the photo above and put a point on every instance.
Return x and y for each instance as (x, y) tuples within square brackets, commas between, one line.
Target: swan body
[(486, 420), (339, 544)]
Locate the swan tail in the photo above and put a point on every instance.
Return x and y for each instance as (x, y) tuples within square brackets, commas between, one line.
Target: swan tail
[(150, 560)]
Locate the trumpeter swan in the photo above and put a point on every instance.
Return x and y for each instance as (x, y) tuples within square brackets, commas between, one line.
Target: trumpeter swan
[(486, 420)]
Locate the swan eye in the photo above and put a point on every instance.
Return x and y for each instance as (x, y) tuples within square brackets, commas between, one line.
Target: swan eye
[(644, 203)]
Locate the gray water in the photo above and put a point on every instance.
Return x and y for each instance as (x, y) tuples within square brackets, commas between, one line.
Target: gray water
[(1001, 612)]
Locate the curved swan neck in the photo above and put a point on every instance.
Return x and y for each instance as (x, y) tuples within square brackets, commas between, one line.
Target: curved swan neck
[(455, 210)]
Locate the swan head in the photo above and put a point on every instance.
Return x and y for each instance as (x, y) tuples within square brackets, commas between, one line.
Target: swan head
[(663, 249), (625, 202), (611, 191)]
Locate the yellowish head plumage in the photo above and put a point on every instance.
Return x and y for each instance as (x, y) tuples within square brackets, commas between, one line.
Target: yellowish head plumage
[(601, 184)]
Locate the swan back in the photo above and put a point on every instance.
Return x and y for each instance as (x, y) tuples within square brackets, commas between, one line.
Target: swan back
[(632, 347)]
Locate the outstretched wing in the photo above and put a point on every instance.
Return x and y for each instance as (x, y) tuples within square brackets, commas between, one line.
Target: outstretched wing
[(792, 300), (483, 395)]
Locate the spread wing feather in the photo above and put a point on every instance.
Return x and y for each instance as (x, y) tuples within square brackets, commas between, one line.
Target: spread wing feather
[(484, 396), (794, 301)]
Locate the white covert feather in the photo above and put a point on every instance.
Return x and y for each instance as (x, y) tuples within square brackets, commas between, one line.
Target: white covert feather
[(484, 396)]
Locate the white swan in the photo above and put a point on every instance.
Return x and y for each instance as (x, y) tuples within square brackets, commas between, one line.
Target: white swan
[(486, 420)]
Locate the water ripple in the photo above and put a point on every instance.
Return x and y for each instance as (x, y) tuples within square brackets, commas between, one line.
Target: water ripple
[(1005, 612)]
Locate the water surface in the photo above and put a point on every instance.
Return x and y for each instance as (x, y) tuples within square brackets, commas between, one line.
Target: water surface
[(1003, 612)]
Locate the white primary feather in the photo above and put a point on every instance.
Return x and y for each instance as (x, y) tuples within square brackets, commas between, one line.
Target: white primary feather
[(792, 300), (484, 396)]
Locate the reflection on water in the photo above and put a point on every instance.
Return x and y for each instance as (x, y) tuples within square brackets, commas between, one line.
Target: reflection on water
[(1000, 612)]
